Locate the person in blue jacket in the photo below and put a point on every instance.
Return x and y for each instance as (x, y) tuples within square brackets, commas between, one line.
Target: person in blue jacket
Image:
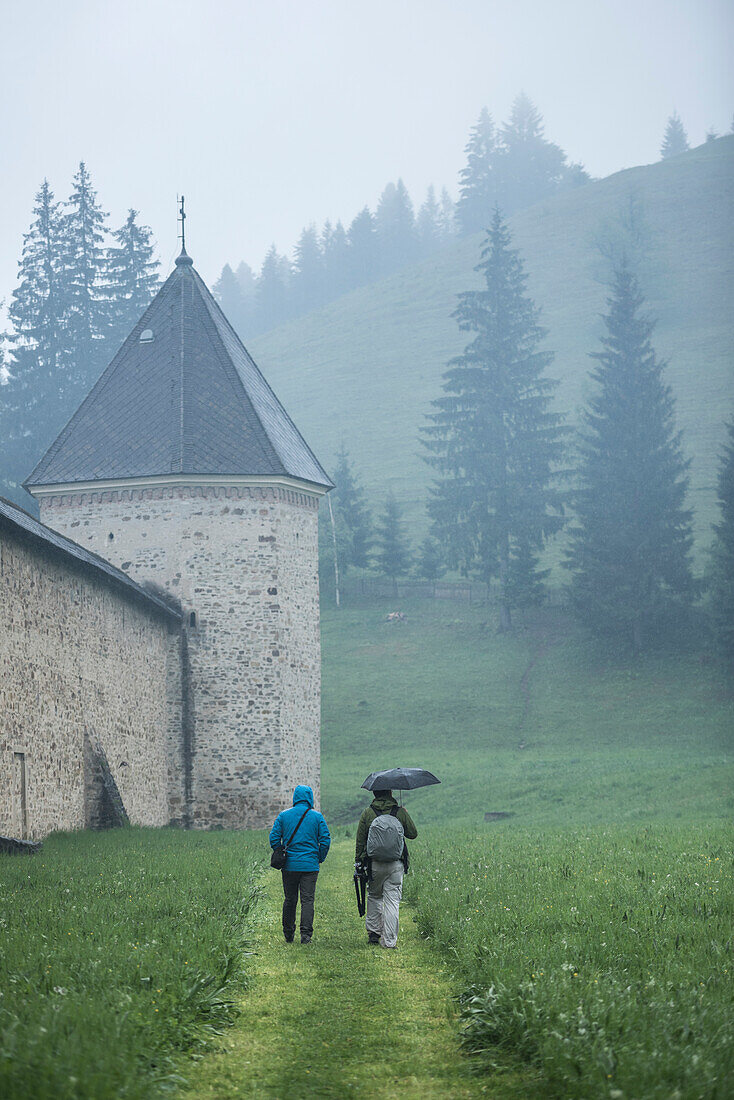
[(305, 854)]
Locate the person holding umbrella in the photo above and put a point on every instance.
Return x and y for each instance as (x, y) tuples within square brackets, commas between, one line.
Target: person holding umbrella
[(380, 847)]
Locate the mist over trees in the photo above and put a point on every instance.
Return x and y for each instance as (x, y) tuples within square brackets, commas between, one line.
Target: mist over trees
[(494, 440), (328, 263), (675, 138), (630, 553), (80, 290), (513, 167)]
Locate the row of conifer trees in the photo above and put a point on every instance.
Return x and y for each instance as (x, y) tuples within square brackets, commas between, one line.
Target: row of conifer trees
[(509, 476), (81, 288), (510, 166)]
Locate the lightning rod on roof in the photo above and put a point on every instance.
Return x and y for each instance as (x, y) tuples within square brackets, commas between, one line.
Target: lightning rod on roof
[(182, 219)]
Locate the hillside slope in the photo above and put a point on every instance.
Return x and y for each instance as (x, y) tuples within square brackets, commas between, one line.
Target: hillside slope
[(365, 368)]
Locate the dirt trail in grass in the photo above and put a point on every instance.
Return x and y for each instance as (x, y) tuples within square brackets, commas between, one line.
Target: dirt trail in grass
[(339, 1018)]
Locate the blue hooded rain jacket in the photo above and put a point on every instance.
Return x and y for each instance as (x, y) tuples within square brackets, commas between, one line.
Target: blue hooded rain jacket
[(311, 842)]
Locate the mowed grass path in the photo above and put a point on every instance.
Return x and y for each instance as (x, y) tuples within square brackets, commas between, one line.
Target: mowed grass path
[(340, 1018)]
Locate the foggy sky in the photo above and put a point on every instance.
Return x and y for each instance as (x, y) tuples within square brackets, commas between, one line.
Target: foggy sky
[(272, 114)]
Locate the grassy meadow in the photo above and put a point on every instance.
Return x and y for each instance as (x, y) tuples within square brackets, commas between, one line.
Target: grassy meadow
[(589, 934), (601, 957), (365, 368), (538, 724), (578, 948), (119, 952)]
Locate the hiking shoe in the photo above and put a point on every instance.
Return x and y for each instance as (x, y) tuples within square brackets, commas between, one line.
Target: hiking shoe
[(372, 937), (305, 939), (288, 939)]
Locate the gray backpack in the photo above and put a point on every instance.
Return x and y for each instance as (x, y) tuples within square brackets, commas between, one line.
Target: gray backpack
[(386, 838)]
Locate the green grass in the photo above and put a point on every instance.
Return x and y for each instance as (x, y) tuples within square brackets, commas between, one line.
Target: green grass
[(366, 368), (537, 724), (593, 959), (119, 951), (342, 1019), (602, 958)]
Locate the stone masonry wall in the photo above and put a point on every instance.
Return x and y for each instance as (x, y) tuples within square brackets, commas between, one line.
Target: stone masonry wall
[(77, 656), (243, 561)]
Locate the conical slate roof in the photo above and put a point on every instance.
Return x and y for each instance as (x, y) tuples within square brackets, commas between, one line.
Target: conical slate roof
[(182, 396)]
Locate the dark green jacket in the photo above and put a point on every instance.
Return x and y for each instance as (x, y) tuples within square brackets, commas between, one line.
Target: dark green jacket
[(381, 806)]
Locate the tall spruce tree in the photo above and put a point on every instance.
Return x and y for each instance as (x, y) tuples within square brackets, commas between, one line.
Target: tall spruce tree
[(428, 224), (447, 216), (393, 555), (477, 181), (395, 227), (529, 167), (630, 552), (352, 514), (430, 563), (307, 283), (86, 281), (336, 260), (494, 440), (132, 273), (272, 291), (363, 250), (723, 552), (35, 400), (228, 292), (675, 138)]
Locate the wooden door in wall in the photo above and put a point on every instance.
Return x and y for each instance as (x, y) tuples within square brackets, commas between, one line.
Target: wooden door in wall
[(20, 796)]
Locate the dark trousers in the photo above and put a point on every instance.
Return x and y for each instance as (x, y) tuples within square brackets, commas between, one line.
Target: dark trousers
[(295, 882)]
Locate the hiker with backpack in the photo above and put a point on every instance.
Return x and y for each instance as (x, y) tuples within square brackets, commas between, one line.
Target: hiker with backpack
[(300, 841), (381, 847)]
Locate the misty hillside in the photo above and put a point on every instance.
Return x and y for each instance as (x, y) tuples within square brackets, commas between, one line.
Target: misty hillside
[(365, 368)]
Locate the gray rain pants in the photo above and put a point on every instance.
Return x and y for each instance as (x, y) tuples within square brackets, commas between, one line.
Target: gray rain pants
[(384, 891)]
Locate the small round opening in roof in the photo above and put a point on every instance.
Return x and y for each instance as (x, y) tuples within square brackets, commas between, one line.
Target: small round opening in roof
[(146, 336)]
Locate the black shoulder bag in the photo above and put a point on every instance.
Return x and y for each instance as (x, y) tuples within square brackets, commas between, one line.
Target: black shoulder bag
[(277, 859)]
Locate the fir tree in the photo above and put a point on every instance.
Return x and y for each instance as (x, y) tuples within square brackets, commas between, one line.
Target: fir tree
[(272, 291), (430, 563), (363, 256), (428, 224), (133, 280), (675, 139), (36, 399), (446, 217), (228, 292), (630, 553), (393, 551), (530, 167), (307, 281), (477, 187), (723, 552), (351, 514), (85, 279), (247, 281), (336, 260), (494, 441), (395, 227)]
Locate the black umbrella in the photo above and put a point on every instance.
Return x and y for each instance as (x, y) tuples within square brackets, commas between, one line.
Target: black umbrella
[(399, 779)]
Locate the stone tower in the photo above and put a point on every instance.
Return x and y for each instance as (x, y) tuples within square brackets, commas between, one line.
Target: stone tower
[(182, 468)]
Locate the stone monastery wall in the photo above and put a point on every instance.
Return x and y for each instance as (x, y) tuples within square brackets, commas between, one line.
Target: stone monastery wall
[(81, 660), (242, 559)]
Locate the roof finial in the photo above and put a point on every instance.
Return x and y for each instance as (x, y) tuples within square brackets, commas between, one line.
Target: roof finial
[(183, 258)]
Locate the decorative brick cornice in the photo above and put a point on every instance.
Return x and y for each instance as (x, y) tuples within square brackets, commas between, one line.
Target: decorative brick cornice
[(63, 497)]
